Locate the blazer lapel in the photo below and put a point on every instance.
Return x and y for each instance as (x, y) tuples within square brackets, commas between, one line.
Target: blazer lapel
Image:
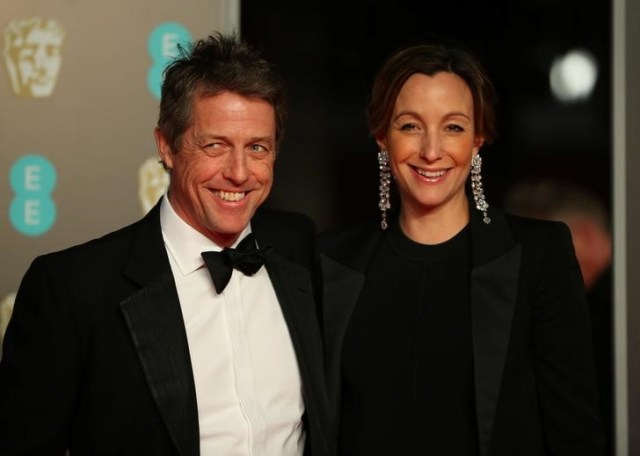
[(294, 287), (155, 321), (494, 285)]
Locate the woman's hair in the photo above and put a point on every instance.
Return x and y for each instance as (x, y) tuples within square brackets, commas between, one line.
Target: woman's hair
[(220, 63), (430, 59)]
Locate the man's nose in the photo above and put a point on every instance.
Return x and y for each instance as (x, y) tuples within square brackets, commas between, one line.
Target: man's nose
[(236, 169)]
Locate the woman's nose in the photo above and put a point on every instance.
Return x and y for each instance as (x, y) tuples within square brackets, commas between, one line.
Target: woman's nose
[(430, 147)]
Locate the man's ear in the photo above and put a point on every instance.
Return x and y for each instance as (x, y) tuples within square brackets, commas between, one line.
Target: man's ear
[(164, 149)]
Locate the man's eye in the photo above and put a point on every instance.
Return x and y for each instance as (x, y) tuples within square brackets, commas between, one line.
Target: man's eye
[(212, 147), (257, 148)]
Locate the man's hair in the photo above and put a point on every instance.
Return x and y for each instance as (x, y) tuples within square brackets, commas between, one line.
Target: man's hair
[(555, 199), (220, 63)]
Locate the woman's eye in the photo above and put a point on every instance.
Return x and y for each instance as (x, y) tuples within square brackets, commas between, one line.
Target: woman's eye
[(408, 127), (454, 128)]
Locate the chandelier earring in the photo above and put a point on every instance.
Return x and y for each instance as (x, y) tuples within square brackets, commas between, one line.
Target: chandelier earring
[(384, 187), (476, 187)]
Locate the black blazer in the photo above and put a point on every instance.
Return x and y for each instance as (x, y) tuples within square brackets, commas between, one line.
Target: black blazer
[(96, 358), (533, 370)]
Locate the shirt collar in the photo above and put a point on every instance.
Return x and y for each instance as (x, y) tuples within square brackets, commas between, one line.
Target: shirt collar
[(183, 242)]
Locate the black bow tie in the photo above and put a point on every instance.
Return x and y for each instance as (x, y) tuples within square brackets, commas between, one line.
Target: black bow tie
[(246, 258)]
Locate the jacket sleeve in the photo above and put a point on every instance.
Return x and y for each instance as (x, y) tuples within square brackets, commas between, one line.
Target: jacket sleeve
[(38, 369), (563, 353)]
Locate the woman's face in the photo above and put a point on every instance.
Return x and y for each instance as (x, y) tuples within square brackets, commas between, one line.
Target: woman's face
[(431, 140)]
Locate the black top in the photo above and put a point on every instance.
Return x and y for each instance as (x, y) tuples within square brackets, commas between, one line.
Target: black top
[(407, 359)]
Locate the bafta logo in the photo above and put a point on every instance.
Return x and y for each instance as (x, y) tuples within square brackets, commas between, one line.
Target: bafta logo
[(32, 53), (153, 181), (6, 309)]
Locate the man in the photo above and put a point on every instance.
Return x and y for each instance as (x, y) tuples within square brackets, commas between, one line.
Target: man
[(130, 345)]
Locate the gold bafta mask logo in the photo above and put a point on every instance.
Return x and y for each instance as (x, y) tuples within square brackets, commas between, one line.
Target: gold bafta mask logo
[(33, 55), (153, 181), (6, 309)]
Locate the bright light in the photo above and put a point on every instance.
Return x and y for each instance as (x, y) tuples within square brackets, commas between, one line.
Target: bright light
[(573, 75)]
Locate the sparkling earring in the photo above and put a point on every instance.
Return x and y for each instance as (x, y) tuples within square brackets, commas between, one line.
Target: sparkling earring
[(384, 187), (476, 187)]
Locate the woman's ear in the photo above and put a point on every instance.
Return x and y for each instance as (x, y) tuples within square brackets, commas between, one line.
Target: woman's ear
[(382, 143), (477, 144)]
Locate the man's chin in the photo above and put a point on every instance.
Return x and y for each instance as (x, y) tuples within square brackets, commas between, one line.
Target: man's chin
[(231, 229)]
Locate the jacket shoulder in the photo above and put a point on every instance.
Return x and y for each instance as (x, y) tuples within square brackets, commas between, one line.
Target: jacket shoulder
[(108, 242), (292, 234), (529, 229), (352, 245)]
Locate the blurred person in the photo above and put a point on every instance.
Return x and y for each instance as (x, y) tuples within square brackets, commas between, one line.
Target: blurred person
[(588, 220), (450, 327), (583, 212), (145, 341)]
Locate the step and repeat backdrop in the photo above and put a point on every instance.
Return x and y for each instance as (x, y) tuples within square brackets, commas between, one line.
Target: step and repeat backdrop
[(79, 92)]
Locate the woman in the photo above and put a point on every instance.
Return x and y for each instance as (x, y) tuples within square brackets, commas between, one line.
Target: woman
[(452, 329)]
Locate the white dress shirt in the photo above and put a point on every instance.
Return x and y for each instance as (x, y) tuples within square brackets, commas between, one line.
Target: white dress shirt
[(248, 385)]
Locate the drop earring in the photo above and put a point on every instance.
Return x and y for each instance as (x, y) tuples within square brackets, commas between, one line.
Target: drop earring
[(476, 187), (384, 187)]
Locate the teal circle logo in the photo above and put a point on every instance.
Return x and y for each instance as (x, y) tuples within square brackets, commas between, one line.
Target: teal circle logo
[(32, 211), (163, 48)]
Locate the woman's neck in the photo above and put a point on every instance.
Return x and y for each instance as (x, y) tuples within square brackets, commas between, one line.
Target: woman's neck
[(434, 226)]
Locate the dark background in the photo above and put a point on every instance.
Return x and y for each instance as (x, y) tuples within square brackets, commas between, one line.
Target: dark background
[(328, 52)]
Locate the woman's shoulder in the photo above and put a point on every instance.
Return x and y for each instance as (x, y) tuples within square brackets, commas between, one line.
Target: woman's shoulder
[(524, 228), (546, 240), (352, 245), (356, 233)]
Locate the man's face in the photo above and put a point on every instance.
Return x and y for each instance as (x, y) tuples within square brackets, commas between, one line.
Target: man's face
[(33, 55), (224, 169)]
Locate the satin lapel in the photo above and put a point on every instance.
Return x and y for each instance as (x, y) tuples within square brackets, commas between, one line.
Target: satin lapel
[(293, 283), (155, 322), (293, 286), (294, 289), (494, 286)]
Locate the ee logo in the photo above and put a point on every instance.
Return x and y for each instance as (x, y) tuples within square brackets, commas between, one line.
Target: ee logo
[(32, 211), (163, 48)]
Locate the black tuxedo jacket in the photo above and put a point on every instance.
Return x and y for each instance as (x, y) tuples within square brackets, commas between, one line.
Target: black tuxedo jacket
[(533, 368), (96, 359)]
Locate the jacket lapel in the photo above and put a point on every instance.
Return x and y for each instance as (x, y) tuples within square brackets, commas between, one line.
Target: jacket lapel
[(155, 321), (293, 284), (494, 282), (494, 286)]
